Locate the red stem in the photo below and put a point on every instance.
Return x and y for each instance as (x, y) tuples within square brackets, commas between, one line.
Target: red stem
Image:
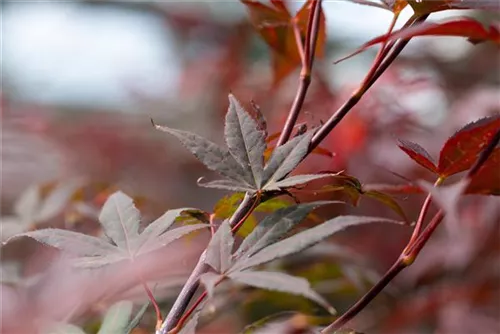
[(159, 318), (305, 74), (411, 251), (423, 213)]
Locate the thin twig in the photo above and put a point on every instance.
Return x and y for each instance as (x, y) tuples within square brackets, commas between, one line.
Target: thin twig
[(335, 119), (411, 252), (380, 54), (159, 318), (255, 203), (423, 213), (305, 74), (192, 283), (246, 205)]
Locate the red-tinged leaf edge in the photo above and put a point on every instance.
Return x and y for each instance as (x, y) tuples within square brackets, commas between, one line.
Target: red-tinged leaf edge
[(418, 154), (461, 150), (463, 27), (487, 179)]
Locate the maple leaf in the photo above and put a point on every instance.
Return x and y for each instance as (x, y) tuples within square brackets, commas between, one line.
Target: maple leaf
[(242, 163), (460, 151), (430, 6), (120, 220), (275, 25), (263, 245), (34, 207), (462, 27), (227, 205), (355, 190)]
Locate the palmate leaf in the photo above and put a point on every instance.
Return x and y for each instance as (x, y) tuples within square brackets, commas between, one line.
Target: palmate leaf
[(62, 328), (430, 6), (487, 179), (462, 27), (275, 226), (220, 248), (286, 157), (137, 318), (245, 140), (280, 282), (418, 154), (36, 206), (460, 151), (117, 318), (243, 162), (120, 220), (226, 185), (211, 155), (227, 205), (303, 240), (275, 25), (272, 228)]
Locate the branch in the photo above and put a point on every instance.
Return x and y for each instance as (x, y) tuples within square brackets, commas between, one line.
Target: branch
[(305, 74), (368, 82), (411, 251), (192, 283), (247, 205)]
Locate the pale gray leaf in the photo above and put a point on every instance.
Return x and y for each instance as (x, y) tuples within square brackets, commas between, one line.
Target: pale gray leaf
[(168, 237), (26, 206), (209, 280), (220, 247), (10, 226), (137, 318), (286, 157), (211, 155), (246, 142), (160, 225), (275, 226), (227, 185), (305, 239), (10, 272), (72, 242), (61, 328), (190, 327), (280, 282), (294, 181), (57, 200), (94, 262), (117, 318), (120, 220)]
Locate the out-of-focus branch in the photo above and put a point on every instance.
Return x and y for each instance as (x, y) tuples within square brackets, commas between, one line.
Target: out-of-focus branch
[(411, 251), (307, 57)]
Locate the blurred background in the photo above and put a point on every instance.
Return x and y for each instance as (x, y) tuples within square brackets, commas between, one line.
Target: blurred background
[(82, 79)]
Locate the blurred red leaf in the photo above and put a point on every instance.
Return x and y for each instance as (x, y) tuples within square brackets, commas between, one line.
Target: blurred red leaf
[(275, 25), (353, 188), (464, 27), (388, 201), (395, 189), (430, 6), (383, 5), (418, 154), (460, 151), (487, 179)]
